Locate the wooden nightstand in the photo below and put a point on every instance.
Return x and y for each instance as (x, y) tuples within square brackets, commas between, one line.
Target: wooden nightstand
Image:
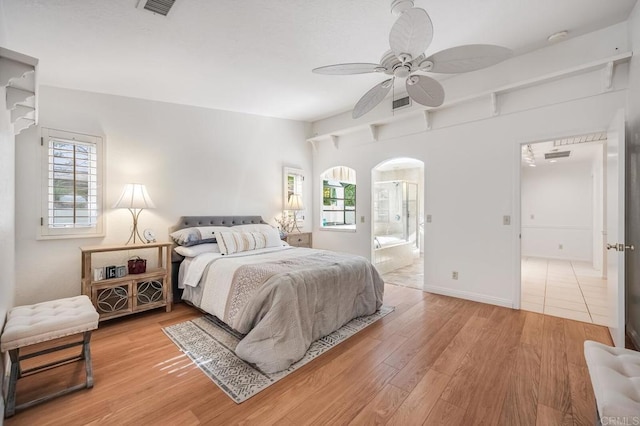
[(116, 297), (300, 239)]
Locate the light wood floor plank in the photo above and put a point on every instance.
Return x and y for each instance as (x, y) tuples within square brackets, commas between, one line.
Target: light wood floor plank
[(554, 391), (445, 414), (521, 402), (582, 397), (416, 407), (382, 407), (533, 328)]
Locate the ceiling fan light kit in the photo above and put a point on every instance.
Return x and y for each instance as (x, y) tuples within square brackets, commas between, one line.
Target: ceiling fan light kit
[(409, 38)]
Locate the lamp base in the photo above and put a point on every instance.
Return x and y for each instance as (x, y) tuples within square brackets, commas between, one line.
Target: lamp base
[(135, 213), (295, 223)]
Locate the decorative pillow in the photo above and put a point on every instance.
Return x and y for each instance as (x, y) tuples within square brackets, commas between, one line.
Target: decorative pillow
[(235, 242), (196, 235), (272, 234), (193, 251)]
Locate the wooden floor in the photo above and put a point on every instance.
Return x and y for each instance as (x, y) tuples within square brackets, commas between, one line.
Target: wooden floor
[(435, 360)]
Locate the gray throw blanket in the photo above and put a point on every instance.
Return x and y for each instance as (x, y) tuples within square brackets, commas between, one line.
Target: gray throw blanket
[(294, 302)]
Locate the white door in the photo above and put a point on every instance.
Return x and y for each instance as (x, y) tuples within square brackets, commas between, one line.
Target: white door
[(614, 237)]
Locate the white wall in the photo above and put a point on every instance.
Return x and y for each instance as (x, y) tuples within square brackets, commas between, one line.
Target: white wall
[(632, 277), (194, 161), (472, 161), (557, 211), (598, 227), (7, 235), (7, 224)]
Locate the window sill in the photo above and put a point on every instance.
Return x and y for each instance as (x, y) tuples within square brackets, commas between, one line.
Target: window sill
[(336, 229)]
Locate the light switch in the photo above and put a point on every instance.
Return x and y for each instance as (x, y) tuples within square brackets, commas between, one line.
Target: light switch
[(428, 218), (506, 220), (361, 219)]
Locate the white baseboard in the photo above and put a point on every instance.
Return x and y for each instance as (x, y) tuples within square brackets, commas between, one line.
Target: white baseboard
[(476, 297)]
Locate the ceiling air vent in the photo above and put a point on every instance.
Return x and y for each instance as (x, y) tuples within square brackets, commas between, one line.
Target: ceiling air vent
[(401, 103), (559, 154), (161, 7)]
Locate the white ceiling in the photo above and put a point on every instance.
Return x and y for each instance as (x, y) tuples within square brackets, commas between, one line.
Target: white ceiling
[(256, 56)]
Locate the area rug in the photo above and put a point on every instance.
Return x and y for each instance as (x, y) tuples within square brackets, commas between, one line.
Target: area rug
[(211, 346)]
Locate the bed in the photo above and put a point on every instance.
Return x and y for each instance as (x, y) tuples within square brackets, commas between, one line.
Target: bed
[(281, 298)]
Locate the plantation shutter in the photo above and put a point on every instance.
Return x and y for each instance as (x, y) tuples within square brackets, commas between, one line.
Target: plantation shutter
[(73, 201)]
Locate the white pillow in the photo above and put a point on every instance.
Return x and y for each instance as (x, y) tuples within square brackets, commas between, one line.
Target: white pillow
[(193, 251), (235, 242), (197, 235), (272, 234)]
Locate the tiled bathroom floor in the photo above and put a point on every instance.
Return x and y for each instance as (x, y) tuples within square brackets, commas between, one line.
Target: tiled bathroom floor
[(565, 289), (407, 276)]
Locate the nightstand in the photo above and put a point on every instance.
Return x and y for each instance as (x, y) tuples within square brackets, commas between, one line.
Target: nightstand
[(299, 239), (116, 297)]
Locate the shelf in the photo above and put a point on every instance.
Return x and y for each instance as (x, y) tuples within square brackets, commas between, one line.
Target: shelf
[(152, 273)]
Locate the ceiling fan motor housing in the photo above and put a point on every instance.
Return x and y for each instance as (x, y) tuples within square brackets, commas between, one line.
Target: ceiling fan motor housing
[(399, 6)]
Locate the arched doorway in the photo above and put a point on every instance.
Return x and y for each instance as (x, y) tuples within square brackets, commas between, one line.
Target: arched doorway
[(397, 225)]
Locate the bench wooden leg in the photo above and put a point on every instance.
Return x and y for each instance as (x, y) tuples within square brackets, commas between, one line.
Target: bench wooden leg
[(16, 373), (86, 354)]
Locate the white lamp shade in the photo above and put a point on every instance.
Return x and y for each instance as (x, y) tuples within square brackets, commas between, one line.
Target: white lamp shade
[(295, 202), (134, 196)]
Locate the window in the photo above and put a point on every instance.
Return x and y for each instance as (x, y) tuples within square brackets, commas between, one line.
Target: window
[(71, 185), (339, 199), (292, 202)]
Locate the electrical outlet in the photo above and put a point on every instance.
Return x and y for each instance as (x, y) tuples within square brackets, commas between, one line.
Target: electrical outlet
[(506, 220), (560, 246), (454, 275), (428, 218), (533, 216)]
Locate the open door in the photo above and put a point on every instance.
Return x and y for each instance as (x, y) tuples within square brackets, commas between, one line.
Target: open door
[(614, 237)]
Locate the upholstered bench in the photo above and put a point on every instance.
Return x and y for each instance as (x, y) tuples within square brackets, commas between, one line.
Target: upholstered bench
[(42, 322), (615, 376)]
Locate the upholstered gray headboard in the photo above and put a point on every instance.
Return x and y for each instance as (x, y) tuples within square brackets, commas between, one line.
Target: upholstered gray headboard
[(191, 221)]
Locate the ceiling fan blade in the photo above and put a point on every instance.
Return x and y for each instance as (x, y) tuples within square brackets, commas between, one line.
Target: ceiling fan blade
[(425, 90), (411, 34), (372, 98), (467, 58), (347, 69)]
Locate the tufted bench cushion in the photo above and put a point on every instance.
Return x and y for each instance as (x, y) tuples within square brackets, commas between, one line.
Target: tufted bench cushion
[(615, 376), (27, 325)]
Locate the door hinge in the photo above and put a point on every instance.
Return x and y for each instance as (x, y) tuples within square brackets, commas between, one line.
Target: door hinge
[(41, 141), (41, 221)]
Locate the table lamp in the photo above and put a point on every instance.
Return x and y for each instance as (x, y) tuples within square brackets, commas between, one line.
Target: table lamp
[(135, 198)]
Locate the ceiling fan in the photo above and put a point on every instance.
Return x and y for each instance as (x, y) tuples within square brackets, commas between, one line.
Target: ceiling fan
[(410, 36)]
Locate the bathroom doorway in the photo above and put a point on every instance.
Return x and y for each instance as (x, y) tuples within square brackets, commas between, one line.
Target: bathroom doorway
[(397, 225)]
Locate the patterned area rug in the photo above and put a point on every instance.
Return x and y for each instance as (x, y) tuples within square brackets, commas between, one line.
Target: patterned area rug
[(211, 346)]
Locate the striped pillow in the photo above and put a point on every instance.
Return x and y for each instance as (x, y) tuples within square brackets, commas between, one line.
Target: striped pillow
[(234, 242)]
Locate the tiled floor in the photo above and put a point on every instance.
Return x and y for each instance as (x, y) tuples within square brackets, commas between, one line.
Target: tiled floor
[(565, 289), (408, 276)]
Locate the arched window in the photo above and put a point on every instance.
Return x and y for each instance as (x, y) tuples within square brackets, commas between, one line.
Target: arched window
[(339, 198)]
